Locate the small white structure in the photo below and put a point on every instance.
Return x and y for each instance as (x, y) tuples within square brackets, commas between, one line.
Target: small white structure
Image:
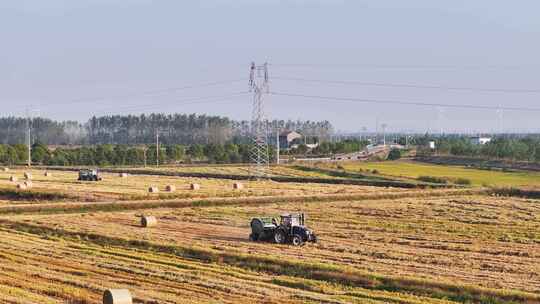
[(477, 140), (287, 139), (432, 145)]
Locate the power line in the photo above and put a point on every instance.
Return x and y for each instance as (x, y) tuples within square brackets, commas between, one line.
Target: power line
[(190, 101), (408, 103), (414, 86), (144, 93), (399, 67)]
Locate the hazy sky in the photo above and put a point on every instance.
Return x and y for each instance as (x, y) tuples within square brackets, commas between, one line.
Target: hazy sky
[(73, 59)]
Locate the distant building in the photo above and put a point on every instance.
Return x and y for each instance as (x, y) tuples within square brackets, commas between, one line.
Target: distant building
[(432, 145), (477, 140), (288, 139)]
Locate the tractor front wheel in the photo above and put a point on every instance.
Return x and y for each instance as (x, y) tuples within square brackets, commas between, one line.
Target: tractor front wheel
[(279, 237), (253, 237), (297, 240)]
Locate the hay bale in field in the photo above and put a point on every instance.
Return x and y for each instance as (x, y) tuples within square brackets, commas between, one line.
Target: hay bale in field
[(27, 175), (194, 186), (170, 188), (28, 184), (148, 221), (47, 174), (238, 186), (117, 296), (5, 169), (21, 186), (12, 178), (153, 189), (123, 175)]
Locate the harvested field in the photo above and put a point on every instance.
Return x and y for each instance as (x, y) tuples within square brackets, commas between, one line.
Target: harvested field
[(49, 270), (136, 187), (233, 170), (66, 241), (478, 177), (477, 241)]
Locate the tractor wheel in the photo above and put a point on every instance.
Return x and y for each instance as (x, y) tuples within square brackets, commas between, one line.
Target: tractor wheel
[(253, 237), (297, 240), (280, 237)]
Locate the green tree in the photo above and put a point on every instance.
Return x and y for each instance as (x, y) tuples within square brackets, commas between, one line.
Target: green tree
[(175, 152), (40, 153), (196, 151), (119, 156), (301, 149), (22, 152), (394, 154), (11, 155), (3, 153), (216, 153)]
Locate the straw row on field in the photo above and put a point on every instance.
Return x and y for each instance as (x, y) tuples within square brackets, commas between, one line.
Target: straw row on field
[(301, 269)]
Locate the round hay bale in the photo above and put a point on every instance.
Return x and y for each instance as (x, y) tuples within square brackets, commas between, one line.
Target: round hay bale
[(12, 178), (153, 189), (47, 174), (28, 184), (170, 188), (21, 186), (238, 186), (117, 296), (148, 221), (123, 175), (27, 175), (5, 169), (195, 186)]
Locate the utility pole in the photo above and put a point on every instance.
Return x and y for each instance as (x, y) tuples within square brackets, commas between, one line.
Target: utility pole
[(406, 139), (144, 155), (258, 84), (157, 148), (29, 141), (29, 133), (376, 130), (384, 133), (277, 146)]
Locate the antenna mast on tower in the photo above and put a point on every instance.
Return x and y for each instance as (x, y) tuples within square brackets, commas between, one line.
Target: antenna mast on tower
[(258, 84)]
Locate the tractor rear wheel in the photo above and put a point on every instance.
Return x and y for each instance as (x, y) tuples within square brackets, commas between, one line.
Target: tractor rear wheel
[(297, 240), (279, 237)]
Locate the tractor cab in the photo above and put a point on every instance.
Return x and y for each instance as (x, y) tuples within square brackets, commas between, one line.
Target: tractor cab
[(291, 220)]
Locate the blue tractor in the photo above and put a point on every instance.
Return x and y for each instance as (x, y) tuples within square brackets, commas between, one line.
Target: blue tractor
[(290, 230)]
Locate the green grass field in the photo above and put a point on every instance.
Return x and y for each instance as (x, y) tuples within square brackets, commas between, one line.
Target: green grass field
[(478, 177)]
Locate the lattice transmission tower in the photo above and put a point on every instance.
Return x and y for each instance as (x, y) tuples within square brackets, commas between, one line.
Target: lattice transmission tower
[(258, 84)]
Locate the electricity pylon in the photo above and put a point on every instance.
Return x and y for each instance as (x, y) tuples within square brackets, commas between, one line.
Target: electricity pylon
[(258, 84)]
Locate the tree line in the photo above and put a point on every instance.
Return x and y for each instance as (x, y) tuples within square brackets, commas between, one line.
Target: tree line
[(510, 148), (136, 155), (183, 129), (124, 155)]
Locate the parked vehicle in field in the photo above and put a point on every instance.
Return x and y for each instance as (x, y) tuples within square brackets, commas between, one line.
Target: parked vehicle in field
[(89, 175), (291, 229)]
